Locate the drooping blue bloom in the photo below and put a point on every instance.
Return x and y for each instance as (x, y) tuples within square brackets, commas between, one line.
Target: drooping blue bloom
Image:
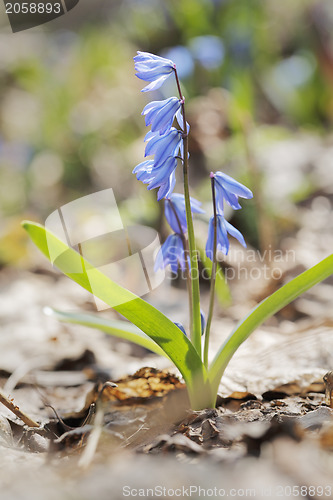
[(162, 176), (163, 141), (229, 189), (160, 114), (167, 188), (155, 176), (171, 253), (163, 146), (154, 69), (176, 203), (143, 169), (223, 228)]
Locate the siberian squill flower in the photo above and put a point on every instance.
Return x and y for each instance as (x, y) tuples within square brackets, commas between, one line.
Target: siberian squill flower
[(160, 114), (164, 142), (229, 189), (223, 228), (162, 177), (174, 210), (160, 172), (154, 69), (171, 253), (163, 146)]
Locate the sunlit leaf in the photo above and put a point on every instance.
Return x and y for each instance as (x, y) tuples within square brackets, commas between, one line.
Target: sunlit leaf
[(148, 319), (267, 308)]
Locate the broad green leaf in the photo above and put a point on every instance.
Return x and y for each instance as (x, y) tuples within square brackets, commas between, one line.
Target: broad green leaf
[(148, 319), (267, 308), (117, 328)]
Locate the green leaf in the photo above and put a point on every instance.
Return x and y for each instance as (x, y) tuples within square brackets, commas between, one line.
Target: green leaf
[(148, 319), (267, 308), (117, 328)]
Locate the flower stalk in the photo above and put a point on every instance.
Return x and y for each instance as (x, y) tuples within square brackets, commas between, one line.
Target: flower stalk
[(213, 275), (187, 266), (193, 285)]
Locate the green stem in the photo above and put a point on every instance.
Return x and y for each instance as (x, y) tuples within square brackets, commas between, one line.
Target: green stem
[(187, 267), (212, 279), (195, 319)]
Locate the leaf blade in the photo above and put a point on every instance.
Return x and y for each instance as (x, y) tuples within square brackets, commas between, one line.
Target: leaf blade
[(265, 309), (148, 319), (117, 328)]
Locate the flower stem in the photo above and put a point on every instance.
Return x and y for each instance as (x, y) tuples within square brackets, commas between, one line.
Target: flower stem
[(195, 318), (186, 250), (212, 280)]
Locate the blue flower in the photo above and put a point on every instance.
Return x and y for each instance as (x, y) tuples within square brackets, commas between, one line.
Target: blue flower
[(163, 146), (223, 227), (171, 253), (154, 69), (160, 114), (175, 204), (167, 187), (147, 173), (143, 170), (162, 176), (229, 189)]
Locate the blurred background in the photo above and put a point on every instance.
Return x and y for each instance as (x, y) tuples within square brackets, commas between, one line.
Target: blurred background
[(258, 80)]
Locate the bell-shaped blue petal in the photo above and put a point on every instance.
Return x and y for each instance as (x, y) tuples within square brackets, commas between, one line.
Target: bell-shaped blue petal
[(160, 114), (175, 213), (163, 146), (144, 168), (180, 120), (167, 188), (223, 228), (154, 69), (160, 175), (229, 189), (235, 233), (171, 253)]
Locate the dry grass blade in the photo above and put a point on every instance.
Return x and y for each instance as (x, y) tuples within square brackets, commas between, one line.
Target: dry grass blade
[(15, 409)]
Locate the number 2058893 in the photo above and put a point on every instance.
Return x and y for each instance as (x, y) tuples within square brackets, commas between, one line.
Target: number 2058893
[(33, 8)]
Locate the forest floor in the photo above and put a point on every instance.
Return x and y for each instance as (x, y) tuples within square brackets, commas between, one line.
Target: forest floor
[(270, 436)]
